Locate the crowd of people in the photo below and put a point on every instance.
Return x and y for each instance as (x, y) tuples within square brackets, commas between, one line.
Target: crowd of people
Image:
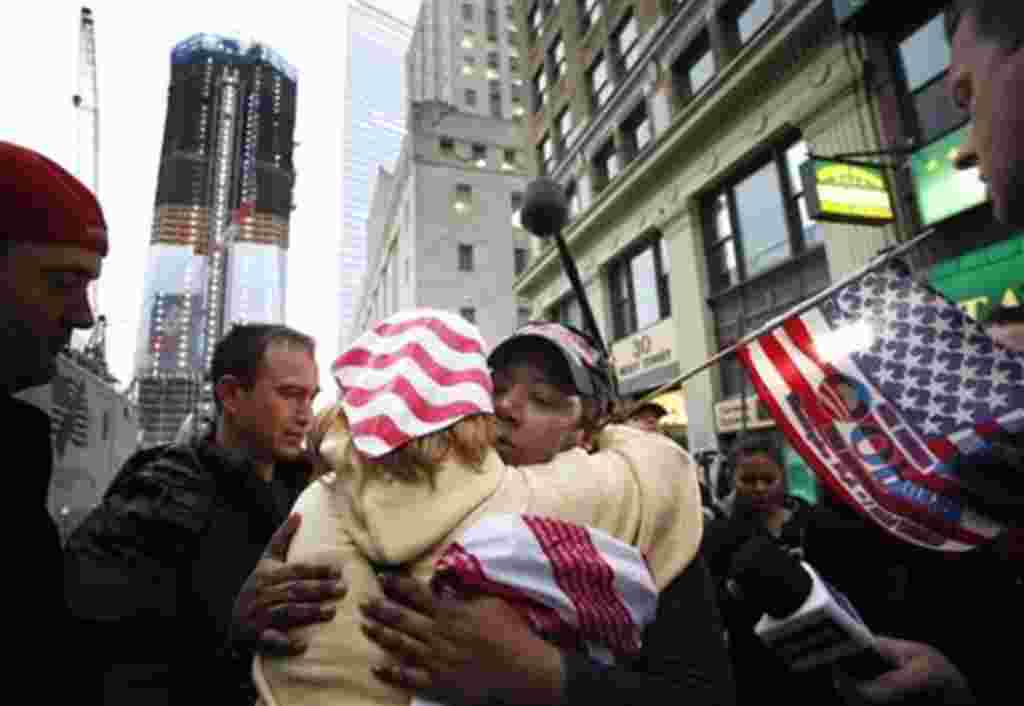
[(287, 558)]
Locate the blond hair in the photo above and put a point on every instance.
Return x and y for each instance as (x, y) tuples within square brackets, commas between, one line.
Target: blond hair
[(469, 440)]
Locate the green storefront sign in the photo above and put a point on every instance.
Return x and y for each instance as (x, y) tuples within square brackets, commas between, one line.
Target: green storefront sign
[(942, 190), (984, 278)]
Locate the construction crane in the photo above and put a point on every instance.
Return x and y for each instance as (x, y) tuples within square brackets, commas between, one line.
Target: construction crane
[(87, 119)]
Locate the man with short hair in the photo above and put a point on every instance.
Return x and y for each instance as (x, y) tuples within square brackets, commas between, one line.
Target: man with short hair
[(552, 393), (646, 416), (153, 572), (986, 79), (53, 239)]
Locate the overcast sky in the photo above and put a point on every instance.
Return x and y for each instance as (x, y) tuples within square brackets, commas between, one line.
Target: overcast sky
[(38, 53)]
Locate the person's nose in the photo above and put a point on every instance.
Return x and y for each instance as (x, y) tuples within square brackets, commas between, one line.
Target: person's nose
[(79, 313), (508, 404)]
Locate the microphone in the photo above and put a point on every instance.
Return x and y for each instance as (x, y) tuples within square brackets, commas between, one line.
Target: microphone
[(805, 621)]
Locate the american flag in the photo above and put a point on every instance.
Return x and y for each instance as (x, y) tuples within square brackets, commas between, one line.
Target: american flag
[(415, 373), (880, 386)]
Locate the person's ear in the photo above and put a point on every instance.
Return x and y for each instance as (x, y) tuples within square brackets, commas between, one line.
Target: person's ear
[(229, 391)]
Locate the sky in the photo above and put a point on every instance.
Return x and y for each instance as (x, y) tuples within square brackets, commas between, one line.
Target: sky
[(39, 55)]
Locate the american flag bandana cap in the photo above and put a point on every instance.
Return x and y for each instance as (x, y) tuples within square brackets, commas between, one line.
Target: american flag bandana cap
[(416, 372), (583, 358)]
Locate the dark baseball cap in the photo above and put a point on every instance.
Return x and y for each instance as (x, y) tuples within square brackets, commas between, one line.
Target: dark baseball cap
[(587, 365)]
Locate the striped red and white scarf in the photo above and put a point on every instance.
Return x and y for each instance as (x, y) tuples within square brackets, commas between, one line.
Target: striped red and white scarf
[(578, 587)]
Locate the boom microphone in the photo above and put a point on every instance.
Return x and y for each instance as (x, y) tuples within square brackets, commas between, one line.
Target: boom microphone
[(545, 212), (804, 620)]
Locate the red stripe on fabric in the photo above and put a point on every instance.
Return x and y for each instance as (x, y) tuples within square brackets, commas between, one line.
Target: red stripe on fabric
[(383, 426), (423, 409), (802, 338), (793, 377), (942, 447), (818, 465), (362, 358), (587, 579), (451, 338), (458, 570)]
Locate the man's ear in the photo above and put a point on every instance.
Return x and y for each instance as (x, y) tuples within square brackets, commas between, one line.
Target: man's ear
[(229, 390)]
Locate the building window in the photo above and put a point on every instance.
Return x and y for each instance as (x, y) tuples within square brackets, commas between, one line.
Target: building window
[(637, 131), (496, 110), (513, 64), (511, 159), (522, 258), (625, 39), (600, 85), (924, 59), (758, 222), (492, 59), (605, 165), (523, 315), (510, 13), (465, 258), (565, 128), (407, 270), (639, 289), (694, 68), (468, 313), (463, 197), (589, 13), (556, 58), (574, 199), (492, 25), (546, 154), (468, 40), (470, 97), (468, 65), (540, 87), (447, 145), (480, 155), (467, 12), (749, 16), (567, 311)]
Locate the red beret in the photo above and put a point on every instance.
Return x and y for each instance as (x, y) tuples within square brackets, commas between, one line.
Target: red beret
[(43, 203)]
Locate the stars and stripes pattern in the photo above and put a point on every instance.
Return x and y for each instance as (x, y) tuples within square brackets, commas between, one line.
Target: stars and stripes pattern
[(415, 373), (880, 387), (579, 587)]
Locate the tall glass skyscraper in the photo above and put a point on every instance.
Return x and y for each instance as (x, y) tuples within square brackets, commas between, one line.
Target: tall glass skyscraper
[(228, 143), (375, 104)]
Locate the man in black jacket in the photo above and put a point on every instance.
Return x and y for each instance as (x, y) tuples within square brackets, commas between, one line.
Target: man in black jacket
[(52, 242), (153, 572)]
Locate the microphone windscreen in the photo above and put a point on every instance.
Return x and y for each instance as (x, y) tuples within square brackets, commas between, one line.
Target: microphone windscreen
[(770, 579)]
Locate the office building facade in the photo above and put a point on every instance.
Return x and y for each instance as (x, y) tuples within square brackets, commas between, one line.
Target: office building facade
[(228, 143), (443, 227), (374, 126)]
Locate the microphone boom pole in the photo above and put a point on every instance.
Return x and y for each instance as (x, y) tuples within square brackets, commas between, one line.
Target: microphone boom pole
[(545, 213)]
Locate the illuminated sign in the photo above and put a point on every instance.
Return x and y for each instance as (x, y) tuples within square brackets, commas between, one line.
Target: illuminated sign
[(942, 190), (846, 193)]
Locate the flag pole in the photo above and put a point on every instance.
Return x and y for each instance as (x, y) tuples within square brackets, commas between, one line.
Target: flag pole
[(800, 308)]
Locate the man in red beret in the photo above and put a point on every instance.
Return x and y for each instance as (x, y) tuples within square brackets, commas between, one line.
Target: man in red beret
[(52, 241)]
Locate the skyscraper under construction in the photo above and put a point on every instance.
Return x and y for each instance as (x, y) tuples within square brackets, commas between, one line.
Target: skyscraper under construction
[(220, 226)]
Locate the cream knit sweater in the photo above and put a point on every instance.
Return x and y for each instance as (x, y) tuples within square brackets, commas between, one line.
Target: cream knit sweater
[(639, 487)]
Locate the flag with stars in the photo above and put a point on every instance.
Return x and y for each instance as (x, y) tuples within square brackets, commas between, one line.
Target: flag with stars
[(880, 386)]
